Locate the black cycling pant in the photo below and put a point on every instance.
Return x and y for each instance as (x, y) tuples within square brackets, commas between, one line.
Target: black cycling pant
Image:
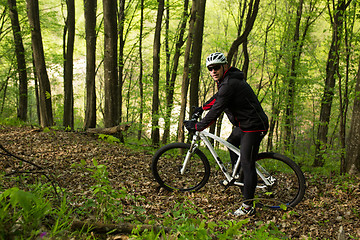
[(249, 143)]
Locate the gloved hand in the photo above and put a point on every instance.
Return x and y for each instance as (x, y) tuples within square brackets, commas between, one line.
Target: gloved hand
[(190, 125), (197, 112)]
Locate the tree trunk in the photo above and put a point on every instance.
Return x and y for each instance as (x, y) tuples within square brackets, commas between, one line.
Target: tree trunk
[(21, 62), (90, 7), (275, 106), (155, 132), (196, 54), (331, 69), (68, 120), (131, 84), (4, 88), (185, 79), (352, 162), (344, 87), (45, 106), (111, 115), (36, 91), (141, 86), (291, 83), (167, 75), (121, 55), (170, 86), (242, 9), (245, 67), (219, 122)]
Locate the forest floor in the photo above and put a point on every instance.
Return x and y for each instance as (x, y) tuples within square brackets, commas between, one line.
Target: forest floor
[(330, 207)]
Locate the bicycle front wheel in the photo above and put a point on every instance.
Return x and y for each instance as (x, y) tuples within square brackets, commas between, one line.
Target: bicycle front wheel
[(282, 183), (168, 161)]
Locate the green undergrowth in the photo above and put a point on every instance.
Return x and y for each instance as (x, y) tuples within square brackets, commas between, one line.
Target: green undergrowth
[(38, 213), (189, 222)]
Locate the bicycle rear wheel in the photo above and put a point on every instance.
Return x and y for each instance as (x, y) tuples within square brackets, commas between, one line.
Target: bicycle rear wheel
[(287, 181), (168, 161)]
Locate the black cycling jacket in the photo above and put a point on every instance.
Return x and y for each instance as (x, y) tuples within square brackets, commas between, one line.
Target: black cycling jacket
[(236, 98)]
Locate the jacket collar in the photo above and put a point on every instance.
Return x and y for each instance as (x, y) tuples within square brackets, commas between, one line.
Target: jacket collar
[(223, 77)]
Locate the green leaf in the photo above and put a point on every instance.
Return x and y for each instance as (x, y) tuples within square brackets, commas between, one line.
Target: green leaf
[(24, 199), (283, 206), (95, 162), (48, 95)]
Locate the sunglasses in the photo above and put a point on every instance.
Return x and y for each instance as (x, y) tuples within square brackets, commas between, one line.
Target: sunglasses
[(215, 67)]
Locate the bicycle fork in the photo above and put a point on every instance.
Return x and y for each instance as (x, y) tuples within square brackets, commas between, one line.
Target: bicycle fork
[(189, 153)]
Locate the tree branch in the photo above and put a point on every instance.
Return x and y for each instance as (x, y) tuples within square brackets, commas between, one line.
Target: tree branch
[(242, 38)]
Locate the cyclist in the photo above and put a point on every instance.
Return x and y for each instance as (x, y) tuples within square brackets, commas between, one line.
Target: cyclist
[(236, 98)]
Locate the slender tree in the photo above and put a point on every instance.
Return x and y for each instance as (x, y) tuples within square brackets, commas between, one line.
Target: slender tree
[(196, 53), (239, 22), (111, 113), (302, 26), (167, 72), (155, 133), (46, 115), (186, 77), (344, 82), (3, 88), (352, 162), (90, 7), (170, 84), (141, 85), (245, 51), (36, 90), (69, 32), (336, 17), (21, 62), (291, 80), (121, 54), (252, 13)]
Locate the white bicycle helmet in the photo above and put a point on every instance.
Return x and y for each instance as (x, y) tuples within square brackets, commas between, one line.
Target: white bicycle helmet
[(216, 58)]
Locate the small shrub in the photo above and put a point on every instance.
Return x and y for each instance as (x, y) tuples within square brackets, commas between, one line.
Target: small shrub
[(21, 213)]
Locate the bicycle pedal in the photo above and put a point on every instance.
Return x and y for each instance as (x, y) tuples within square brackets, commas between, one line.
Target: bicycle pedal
[(227, 184), (223, 182)]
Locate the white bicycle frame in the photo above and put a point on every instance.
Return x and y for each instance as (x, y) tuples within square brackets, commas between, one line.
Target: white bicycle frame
[(231, 178)]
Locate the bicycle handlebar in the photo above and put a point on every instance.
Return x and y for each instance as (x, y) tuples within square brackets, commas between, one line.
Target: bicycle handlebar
[(194, 119)]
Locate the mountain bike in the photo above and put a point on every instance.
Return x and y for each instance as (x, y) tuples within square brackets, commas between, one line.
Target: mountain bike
[(184, 167)]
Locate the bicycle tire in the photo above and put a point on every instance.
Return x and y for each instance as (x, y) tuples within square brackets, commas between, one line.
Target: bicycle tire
[(289, 181), (167, 162)]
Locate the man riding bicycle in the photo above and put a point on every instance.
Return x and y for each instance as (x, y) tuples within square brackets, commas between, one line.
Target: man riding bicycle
[(236, 98)]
